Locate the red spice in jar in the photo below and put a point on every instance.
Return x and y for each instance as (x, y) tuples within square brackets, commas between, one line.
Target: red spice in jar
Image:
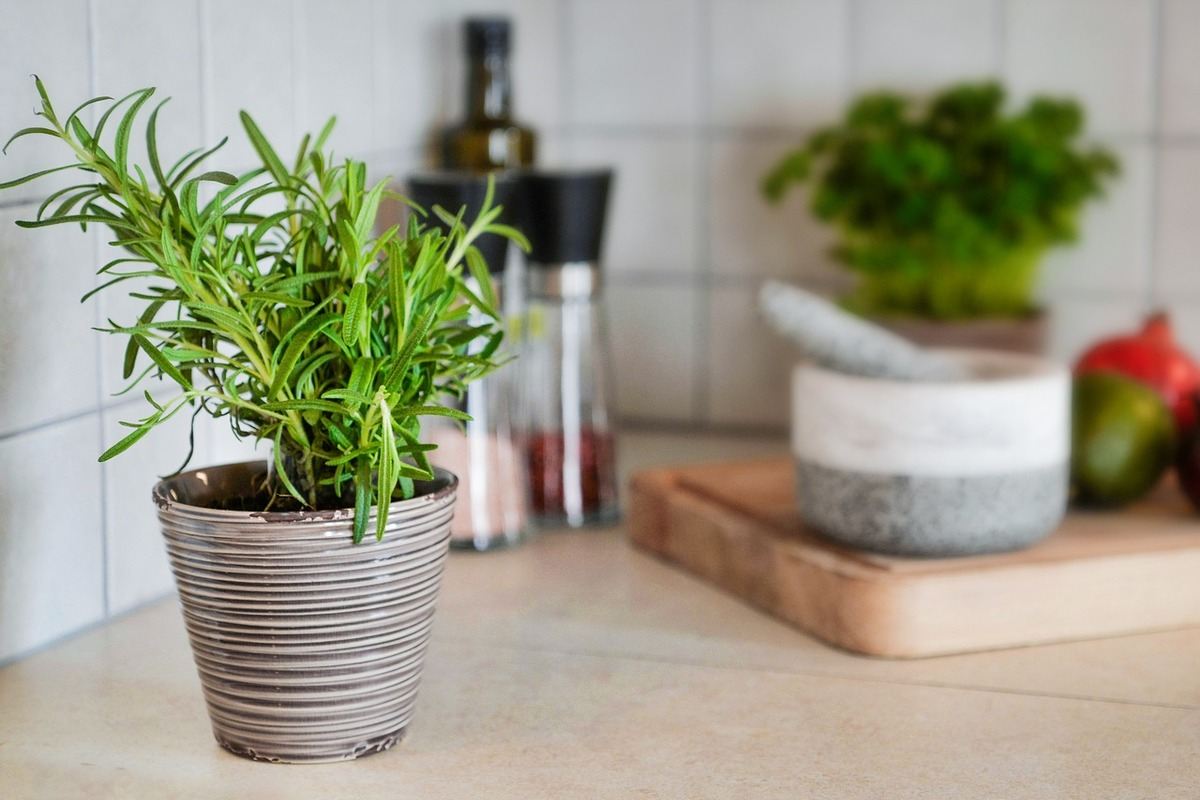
[(550, 493)]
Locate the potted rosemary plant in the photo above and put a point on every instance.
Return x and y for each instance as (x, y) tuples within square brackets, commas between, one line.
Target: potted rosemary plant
[(945, 209), (268, 299)]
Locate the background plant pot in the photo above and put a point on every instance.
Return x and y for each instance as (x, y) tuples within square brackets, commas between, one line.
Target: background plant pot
[(934, 468), (309, 647), (1026, 334)]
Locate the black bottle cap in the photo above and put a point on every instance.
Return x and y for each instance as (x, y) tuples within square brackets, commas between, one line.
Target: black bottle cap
[(563, 213), (486, 36), (454, 190)]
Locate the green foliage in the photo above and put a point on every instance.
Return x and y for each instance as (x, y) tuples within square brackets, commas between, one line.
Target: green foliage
[(269, 299), (945, 209)]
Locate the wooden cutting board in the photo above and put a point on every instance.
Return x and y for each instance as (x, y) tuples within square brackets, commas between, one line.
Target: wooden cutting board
[(1100, 574)]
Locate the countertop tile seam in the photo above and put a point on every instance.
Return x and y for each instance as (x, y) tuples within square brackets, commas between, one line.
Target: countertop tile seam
[(100, 625), (819, 674)]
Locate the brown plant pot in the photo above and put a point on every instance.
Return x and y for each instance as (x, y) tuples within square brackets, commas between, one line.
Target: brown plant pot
[(309, 647), (1026, 335)]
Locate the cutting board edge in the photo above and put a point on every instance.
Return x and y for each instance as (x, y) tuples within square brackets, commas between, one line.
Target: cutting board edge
[(875, 612)]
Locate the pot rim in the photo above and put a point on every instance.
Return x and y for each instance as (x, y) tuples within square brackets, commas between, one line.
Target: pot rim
[(1025, 369), (1035, 315), (166, 497)]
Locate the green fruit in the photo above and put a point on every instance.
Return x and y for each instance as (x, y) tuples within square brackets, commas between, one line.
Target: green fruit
[(1123, 438)]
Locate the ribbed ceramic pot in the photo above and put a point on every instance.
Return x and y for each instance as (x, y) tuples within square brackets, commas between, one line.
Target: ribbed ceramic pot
[(934, 468), (309, 647)]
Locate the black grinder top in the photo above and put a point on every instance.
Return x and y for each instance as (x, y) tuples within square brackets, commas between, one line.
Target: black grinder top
[(455, 190), (563, 214)]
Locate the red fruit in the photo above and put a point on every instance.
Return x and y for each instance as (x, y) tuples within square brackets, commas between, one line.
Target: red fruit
[(1152, 357), (1187, 460)]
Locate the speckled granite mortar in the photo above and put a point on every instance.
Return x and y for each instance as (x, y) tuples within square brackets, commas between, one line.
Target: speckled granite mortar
[(934, 468), (932, 516)]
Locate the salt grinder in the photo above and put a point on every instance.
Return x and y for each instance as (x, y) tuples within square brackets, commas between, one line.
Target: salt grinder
[(491, 507)]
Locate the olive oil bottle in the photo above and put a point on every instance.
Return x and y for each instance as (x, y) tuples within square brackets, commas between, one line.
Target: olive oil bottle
[(489, 138)]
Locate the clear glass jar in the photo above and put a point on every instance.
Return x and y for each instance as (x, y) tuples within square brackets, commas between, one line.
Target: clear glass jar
[(566, 378), (485, 452), (486, 456)]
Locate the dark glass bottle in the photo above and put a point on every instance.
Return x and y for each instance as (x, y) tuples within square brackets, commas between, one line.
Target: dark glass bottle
[(489, 138)]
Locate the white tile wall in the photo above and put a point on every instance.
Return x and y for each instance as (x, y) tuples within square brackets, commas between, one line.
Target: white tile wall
[(408, 72), (136, 560), (1113, 252), (1180, 113), (690, 99), (923, 44), (51, 558), (1178, 234), (648, 230), (217, 444), (249, 64), (335, 74), (632, 63), (651, 330), (127, 35), (1101, 51), (47, 357), (748, 237), (777, 63), (1184, 315), (1080, 321), (748, 366), (51, 41)]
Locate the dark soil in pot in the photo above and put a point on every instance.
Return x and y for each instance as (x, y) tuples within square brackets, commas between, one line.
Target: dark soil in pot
[(1028, 335)]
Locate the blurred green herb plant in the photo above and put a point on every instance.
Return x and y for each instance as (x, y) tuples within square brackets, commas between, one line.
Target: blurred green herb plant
[(944, 209), (269, 299)]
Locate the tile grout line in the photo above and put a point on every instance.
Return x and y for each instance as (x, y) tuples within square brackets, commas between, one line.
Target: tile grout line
[(207, 121), (148, 604), (1000, 36), (202, 56), (853, 20), (650, 277), (83, 630), (1157, 71), (375, 14), (38, 427), (297, 28), (807, 673), (566, 67), (372, 72), (97, 345), (702, 296), (198, 439), (7, 205)]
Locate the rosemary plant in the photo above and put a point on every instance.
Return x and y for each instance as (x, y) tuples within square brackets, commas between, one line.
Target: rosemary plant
[(268, 298)]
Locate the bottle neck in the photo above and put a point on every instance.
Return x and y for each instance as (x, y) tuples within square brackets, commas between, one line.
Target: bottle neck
[(489, 88)]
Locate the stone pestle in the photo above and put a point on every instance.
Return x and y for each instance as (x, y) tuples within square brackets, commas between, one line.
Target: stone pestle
[(843, 342)]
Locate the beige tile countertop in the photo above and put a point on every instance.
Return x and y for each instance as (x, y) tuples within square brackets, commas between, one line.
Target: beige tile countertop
[(577, 667)]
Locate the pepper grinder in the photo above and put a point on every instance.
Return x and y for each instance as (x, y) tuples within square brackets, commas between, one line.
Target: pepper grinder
[(484, 454), (564, 356)]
